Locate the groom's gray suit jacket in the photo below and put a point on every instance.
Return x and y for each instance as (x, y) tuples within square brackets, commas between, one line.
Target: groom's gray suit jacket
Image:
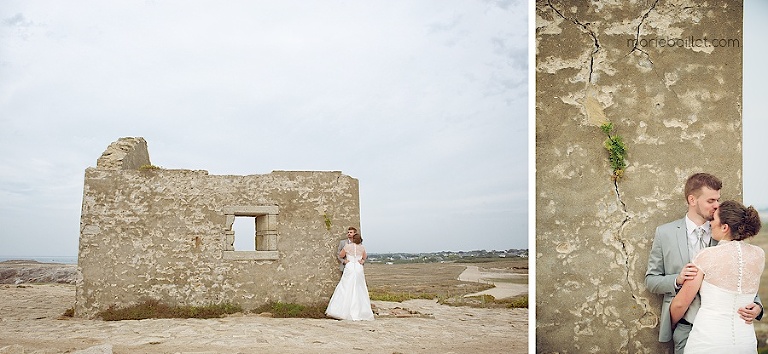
[(342, 243), (669, 254)]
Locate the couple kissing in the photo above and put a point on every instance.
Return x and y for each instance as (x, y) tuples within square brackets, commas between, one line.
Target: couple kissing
[(708, 276)]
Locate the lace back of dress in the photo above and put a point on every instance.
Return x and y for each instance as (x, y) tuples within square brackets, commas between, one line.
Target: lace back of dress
[(733, 266)]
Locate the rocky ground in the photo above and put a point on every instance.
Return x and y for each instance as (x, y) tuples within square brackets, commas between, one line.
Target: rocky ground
[(21, 271), (31, 322)]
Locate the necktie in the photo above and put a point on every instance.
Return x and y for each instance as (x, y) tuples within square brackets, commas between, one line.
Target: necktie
[(700, 234)]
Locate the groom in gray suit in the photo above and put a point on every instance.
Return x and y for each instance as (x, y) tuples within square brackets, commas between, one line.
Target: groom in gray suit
[(351, 231), (675, 245)]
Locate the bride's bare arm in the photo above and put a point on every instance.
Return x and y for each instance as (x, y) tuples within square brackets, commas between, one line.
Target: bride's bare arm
[(684, 297)]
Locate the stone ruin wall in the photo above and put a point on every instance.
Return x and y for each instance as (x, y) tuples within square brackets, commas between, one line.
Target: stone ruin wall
[(167, 234), (679, 112)]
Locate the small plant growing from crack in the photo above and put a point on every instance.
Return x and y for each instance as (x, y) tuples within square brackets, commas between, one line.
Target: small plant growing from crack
[(327, 222), (147, 168), (617, 151)]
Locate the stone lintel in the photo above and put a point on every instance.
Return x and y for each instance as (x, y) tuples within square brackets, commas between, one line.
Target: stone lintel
[(250, 210), (250, 255)]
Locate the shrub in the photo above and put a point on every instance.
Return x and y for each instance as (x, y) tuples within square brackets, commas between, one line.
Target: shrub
[(399, 297), (486, 301), (286, 310), (151, 308)]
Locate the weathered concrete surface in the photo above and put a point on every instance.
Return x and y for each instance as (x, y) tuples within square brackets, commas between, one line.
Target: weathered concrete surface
[(166, 234), (678, 109)]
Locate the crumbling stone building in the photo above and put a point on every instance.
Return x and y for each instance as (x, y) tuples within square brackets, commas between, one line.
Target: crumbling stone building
[(166, 234)]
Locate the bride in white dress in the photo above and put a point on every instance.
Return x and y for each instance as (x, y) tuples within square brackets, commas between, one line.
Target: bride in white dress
[(728, 278), (350, 300)]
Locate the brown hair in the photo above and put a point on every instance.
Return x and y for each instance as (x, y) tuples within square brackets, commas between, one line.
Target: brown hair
[(352, 228), (697, 181), (743, 221), (357, 238)]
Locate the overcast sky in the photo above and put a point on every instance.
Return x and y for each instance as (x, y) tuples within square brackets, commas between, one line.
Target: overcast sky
[(755, 118), (425, 102)]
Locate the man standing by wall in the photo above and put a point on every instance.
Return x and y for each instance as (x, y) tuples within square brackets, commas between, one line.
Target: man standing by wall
[(351, 231)]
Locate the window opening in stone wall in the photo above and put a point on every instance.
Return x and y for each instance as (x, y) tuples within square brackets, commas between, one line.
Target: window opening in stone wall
[(256, 237), (245, 233)]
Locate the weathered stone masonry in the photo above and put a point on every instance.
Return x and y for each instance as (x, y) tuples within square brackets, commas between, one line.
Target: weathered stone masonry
[(167, 234)]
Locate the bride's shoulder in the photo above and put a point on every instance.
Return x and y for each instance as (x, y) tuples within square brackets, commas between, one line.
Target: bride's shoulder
[(709, 254), (757, 249)]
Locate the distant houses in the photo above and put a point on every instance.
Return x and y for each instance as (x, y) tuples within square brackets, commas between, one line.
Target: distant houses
[(445, 256)]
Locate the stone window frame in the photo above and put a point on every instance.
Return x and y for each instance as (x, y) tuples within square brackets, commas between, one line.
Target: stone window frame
[(266, 232)]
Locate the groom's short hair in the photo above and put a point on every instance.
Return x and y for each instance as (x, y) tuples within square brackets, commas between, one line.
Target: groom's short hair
[(697, 181)]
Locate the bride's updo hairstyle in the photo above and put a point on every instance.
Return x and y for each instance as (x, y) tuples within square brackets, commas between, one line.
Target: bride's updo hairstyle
[(743, 221), (357, 238)]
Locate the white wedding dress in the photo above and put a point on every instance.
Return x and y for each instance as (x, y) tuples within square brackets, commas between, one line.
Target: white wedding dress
[(350, 300), (732, 272)]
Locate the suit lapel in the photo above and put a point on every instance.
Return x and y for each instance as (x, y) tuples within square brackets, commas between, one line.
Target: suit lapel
[(681, 235)]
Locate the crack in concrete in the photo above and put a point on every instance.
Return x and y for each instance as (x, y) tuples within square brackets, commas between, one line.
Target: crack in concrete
[(636, 48), (621, 232), (589, 32), (585, 27), (637, 33), (628, 275)]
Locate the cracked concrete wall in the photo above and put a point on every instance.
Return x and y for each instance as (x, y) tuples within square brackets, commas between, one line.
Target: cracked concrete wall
[(165, 234), (668, 75)]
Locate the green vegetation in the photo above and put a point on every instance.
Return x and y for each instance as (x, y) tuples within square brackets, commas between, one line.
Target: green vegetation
[(70, 312), (453, 299), (487, 301), (327, 222), (398, 282), (151, 308), (285, 310), (516, 302), (149, 168), (617, 151), (508, 280), (155, 309), (399, 296)]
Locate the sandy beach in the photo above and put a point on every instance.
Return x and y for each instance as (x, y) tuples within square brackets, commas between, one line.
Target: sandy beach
[(31, 322)]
